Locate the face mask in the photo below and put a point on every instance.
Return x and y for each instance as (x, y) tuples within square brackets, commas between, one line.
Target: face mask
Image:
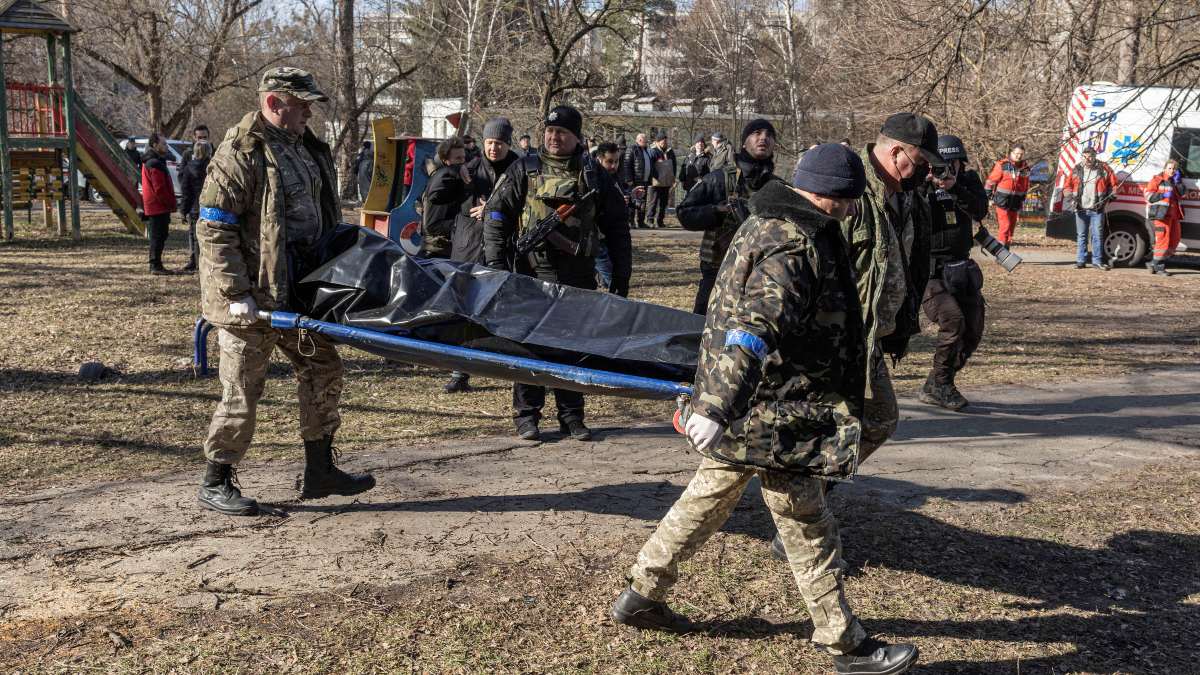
[(915, 180)]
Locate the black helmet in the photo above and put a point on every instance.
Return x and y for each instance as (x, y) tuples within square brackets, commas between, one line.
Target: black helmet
[(951, 147)]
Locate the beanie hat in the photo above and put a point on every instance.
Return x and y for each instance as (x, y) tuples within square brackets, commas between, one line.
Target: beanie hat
[(566, 117), (498, 129), (755, 125), (660, 136), (831, 170)]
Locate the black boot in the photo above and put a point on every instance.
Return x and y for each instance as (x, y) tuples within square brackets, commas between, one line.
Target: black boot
[(632, 609), (458, 382), (575, 429), (942, 395), (322, 478), (219, 492), (157, 268), (873, 657)]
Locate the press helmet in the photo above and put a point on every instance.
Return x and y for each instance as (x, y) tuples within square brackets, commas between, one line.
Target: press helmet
[(951, 147)]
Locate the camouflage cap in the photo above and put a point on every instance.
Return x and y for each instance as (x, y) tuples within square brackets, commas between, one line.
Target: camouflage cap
[(294, 81)]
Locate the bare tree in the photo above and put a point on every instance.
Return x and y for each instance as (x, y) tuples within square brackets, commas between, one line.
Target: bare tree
[(174, 53), (562, 26)]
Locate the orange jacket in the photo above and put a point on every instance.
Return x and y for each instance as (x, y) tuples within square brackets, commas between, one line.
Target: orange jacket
[(1007, 184), (1105, 184), (1161, 184)]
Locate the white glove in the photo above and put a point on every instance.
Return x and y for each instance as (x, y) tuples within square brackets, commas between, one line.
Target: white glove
[(246, 309), (703, 432)]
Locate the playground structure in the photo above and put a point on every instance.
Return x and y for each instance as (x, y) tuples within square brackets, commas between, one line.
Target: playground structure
[(397, 184), (48, 136)]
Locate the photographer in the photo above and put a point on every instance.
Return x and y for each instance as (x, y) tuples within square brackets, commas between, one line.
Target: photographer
[(953, 297)]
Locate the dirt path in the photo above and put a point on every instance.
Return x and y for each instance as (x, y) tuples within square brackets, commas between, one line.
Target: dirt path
[(93, 547)]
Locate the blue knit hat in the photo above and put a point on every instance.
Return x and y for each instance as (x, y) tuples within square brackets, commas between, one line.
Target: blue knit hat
[(831, 170)]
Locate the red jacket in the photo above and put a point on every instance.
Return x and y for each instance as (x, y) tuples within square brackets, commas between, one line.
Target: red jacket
[(1105, 183), (158, 193), (1160, 184), (1007, 184)]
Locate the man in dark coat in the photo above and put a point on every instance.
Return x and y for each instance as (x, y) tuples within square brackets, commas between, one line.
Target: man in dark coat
[(635, 173), (696, 165), (662, 178), (717, 204), (191, 180)]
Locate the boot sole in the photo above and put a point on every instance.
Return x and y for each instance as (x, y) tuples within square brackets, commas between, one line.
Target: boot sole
[(248, 511), (901, 667), (321, 494)]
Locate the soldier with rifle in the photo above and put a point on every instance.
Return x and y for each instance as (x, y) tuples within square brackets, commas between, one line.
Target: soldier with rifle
[(717, 204), (560, 175)]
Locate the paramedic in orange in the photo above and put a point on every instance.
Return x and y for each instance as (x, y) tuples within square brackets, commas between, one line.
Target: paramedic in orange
[(1164, 199), (1006, 186)]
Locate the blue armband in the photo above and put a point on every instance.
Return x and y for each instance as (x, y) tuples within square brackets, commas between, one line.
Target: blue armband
[(748, 341), (218, 215), (496, 216)]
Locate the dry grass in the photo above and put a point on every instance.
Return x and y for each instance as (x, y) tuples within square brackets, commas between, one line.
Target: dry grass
[(1084, 581), (67, 303), (1090, 581)]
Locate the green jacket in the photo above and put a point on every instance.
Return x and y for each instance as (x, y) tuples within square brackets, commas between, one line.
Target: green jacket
[(889, 248), (782, 359), (242, 230)]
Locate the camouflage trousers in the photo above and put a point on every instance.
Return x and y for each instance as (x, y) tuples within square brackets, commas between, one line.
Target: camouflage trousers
[(245, 355), (881, 412), (807, 527)]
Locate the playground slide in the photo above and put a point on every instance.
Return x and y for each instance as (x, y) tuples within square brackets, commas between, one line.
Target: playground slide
[(107, 168)]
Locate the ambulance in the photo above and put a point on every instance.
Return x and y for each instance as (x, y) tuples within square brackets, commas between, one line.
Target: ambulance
[(1135, 130)]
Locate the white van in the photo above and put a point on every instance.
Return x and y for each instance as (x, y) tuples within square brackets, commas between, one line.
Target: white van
[(1134, 129)]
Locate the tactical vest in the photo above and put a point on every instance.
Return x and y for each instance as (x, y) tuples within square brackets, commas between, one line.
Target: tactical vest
[(716, 241), (547, 183), (950, 236)]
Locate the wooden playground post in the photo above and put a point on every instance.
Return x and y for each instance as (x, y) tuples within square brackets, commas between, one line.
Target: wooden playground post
[(5, 165), (69, 114), (55, 80)]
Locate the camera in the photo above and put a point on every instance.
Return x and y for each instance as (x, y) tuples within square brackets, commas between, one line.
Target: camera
[(1006, 258)]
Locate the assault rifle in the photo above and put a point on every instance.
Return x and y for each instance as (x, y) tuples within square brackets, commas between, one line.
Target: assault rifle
[(546, 229)]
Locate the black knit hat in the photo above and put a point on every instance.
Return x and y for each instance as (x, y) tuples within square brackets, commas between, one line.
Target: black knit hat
[(566, 117), (831, 170), (498, 129), (755, 125)]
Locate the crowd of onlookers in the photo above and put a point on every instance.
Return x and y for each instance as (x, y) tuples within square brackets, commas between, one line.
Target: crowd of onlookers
[(159, 190)]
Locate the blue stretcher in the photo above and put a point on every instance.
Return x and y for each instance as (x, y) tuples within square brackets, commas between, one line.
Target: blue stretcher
[(473, 361)]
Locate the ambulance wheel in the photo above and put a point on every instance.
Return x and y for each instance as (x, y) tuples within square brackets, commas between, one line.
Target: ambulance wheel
[(1126, 244)]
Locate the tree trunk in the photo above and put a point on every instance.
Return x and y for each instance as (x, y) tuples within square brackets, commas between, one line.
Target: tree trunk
[(1127, 61), (347, 101)]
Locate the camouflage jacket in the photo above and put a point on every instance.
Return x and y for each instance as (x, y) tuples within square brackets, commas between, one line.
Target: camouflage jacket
[(782, 359), (889, 247), (247, 202)]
